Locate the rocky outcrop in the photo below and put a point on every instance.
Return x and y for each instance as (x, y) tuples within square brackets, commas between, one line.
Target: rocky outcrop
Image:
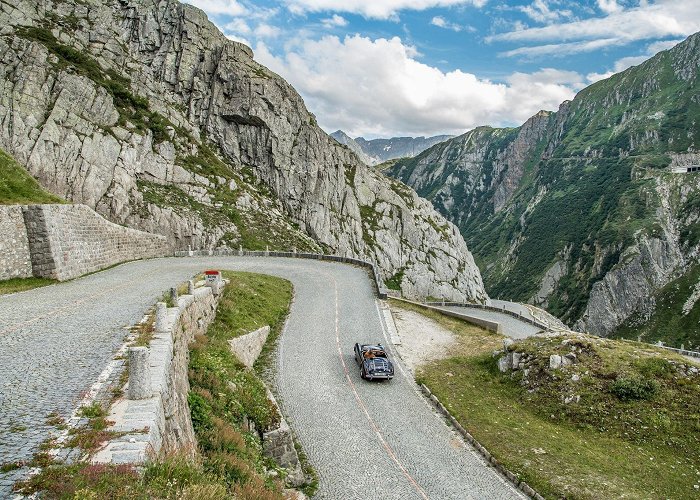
[(144, 111)]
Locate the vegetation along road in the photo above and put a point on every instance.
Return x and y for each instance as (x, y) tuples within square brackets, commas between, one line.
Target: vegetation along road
[(364, 439)]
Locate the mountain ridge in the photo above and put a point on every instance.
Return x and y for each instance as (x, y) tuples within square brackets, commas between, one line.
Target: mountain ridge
[(578, 210)]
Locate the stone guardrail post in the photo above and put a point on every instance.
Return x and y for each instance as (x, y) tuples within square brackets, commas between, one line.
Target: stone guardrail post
[(161, 313), (190, 287), (139, 373), (173, 295)]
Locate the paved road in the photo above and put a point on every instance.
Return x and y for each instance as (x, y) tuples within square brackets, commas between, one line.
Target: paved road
[(365, 439), (512, 327)]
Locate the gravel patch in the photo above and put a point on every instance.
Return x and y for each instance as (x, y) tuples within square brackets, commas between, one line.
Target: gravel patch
[(422, 339)]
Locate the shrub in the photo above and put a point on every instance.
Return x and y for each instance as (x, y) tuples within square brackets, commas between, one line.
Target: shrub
[(634, 389)]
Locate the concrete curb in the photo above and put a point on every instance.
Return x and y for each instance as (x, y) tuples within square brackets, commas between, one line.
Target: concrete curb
[(492, 326), (492, 309), (508, 475)]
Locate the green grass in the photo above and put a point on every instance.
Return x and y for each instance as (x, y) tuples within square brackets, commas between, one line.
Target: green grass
[(21, 284), (224, 396), (602, 447), (18, 187)]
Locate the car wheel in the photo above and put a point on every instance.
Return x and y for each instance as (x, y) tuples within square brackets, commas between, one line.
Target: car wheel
[(362, 375)]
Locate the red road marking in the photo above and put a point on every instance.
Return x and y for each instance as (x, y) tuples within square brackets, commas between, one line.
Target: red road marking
[(363, 407)]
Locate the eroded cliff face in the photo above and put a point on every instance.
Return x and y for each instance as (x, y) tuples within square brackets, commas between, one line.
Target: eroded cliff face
[(146, 112), (579, 210)]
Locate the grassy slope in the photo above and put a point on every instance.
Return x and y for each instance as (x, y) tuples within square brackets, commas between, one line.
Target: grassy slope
[(17, 187), (21, 284), (599, 448), (230, 463)]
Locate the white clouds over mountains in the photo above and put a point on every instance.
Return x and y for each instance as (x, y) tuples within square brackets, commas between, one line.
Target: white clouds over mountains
[(370, 79), (378, 87)]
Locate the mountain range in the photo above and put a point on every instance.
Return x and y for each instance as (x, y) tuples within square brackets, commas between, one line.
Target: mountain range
[(589, 211), (376, 151)]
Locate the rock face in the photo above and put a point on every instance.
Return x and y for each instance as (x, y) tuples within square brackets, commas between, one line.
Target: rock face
[(144, 111), (580, 211)]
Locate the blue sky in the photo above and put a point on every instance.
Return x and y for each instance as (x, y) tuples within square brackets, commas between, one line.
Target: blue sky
[(381, 68)]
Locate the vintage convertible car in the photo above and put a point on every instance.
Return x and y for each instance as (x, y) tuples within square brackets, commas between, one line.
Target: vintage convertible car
[(373, 362)]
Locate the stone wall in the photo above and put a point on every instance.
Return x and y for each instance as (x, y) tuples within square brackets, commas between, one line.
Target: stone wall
[(67, 241), (161, 423), (15, 259)]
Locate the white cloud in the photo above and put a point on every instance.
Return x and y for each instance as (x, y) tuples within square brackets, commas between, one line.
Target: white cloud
[(560, 49), (377, 87), (539, 11), (379, 9), (647, 21), (609, 6), (334, 21), (237, 25), (441, 22), (230, 7), (264, 30)]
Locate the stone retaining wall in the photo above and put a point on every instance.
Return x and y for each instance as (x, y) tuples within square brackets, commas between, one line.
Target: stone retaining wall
[(15, 259), (68, 241), (161, 424), (63, 242)]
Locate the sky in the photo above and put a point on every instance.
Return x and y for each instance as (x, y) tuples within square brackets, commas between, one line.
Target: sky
[(386, 68)]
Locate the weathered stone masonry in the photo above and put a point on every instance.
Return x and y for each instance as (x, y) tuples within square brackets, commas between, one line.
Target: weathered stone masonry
[(66, 241), (161, 423), (15, 259)]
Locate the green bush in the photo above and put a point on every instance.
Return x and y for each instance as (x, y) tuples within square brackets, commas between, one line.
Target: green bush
[(634, 389)]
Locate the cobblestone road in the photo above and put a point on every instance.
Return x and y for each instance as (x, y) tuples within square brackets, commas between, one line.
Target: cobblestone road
[(365, 439)]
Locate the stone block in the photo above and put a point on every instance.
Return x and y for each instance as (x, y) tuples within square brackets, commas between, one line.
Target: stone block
[(248, 347), (139, 373)]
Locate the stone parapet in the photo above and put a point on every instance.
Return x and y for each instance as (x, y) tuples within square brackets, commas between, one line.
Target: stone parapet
[(161, 424)]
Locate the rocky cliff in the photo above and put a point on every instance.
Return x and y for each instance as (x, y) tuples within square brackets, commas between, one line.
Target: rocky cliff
[(580, 211), (143, 110)]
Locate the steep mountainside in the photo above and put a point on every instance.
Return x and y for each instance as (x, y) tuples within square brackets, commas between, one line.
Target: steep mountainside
[(143, 110), (579, 210), (376, 151)]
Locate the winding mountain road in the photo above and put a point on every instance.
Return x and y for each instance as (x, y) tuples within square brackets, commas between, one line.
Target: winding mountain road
[(365, 439)]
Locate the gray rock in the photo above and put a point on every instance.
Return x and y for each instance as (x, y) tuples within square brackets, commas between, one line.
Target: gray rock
[(504, 364), (516, 360), (139, 373), (555, 362)]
